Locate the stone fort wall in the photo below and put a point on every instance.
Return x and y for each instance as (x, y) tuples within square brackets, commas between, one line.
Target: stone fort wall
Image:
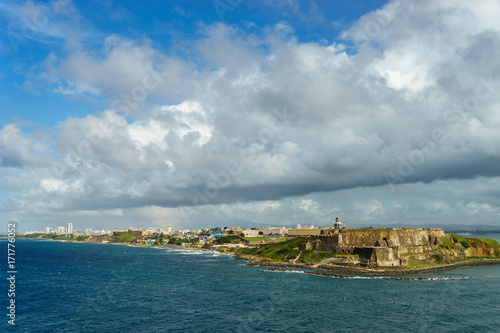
[(352, 240), (389, 237)]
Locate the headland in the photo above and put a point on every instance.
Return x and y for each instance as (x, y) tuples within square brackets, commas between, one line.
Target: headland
[(361, 251), (381, 251)]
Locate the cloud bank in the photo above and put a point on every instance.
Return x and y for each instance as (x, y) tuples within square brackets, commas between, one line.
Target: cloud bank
[(237, 124)]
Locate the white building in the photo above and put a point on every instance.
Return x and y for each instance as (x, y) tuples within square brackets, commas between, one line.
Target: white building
[(61, 230), (70, 228), (169, 229), (48, 230), (275, 231), (251, 233)]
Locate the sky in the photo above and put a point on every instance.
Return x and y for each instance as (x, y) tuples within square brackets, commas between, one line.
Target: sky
[(199, 114)]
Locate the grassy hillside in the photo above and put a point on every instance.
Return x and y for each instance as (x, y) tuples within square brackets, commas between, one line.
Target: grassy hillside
[(491, 242), (309, 256), (122, 238), (476, 242), (258, 239), (282, 251)]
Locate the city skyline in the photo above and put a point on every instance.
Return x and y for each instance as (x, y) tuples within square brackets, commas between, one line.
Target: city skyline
[(249, 113)]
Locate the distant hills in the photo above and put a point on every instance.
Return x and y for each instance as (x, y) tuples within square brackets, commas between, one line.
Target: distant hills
[(448, 228)]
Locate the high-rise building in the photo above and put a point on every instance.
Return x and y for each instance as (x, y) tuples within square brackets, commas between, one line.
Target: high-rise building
[(48, 230), (169, 229), (70, 228), (61, 230)]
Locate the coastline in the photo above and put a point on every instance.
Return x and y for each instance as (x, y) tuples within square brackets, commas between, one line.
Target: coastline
[(389, 271), (332, 268)]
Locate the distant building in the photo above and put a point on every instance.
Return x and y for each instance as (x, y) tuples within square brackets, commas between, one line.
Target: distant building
[(169, 229), (303, 232), (251, 233), (61, 230), (151, 231), (275, 231), (48, 230), (70, 228)]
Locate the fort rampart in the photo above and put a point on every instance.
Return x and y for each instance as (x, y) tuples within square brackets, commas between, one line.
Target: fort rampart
[(380, 246)]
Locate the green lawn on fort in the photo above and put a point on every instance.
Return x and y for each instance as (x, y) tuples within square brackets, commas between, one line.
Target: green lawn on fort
[(282, 251), (258, 239), (288, 250)]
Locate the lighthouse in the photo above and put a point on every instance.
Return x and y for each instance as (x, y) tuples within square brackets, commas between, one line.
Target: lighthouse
[(337, 225)]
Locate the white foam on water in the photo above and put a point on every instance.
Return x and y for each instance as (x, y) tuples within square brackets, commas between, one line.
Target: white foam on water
[(360, 277), (193, 252), (289, 271)]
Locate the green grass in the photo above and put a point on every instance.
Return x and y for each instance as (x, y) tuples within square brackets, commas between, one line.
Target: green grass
[(345, 255), (280, 240), (475, 242), (491, 242), (123, 238), (446, 244), (258, 239), (288, 250), (462, 240), (310, 256), (437, 257), (282, 251)]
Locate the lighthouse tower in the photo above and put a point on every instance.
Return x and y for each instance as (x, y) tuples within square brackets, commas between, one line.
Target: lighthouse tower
[(337, 225)]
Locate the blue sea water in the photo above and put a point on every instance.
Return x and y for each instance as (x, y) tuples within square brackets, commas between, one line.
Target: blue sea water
[(64, 287)]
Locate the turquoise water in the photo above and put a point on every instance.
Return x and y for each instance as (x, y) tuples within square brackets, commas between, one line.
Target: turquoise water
[(115, 288)]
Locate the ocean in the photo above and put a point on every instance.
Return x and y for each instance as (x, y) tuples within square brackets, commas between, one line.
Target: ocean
[(62, 287)]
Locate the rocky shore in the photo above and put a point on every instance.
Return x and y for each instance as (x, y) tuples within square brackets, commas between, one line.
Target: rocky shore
[(338, 268), (380, 271)]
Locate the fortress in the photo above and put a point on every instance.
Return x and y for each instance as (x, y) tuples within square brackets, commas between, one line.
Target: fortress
[(383, 247)]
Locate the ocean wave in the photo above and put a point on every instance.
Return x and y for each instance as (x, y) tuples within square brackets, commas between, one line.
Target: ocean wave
[(358, 277), (288, 271), (192, 252)]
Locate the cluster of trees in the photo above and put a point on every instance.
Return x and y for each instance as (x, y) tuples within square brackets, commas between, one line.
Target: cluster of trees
[(54, 236)]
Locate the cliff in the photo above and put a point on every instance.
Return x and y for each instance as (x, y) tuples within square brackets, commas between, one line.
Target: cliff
[(376, 248)]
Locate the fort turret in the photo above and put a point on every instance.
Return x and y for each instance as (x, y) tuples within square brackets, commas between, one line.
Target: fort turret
[(337, 224)]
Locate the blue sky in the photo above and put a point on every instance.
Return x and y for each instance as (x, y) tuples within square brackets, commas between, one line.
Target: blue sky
[(203, 113), (168, 24)]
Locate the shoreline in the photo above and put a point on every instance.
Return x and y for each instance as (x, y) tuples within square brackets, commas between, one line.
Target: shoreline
[(253, 261), (332, 268)]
